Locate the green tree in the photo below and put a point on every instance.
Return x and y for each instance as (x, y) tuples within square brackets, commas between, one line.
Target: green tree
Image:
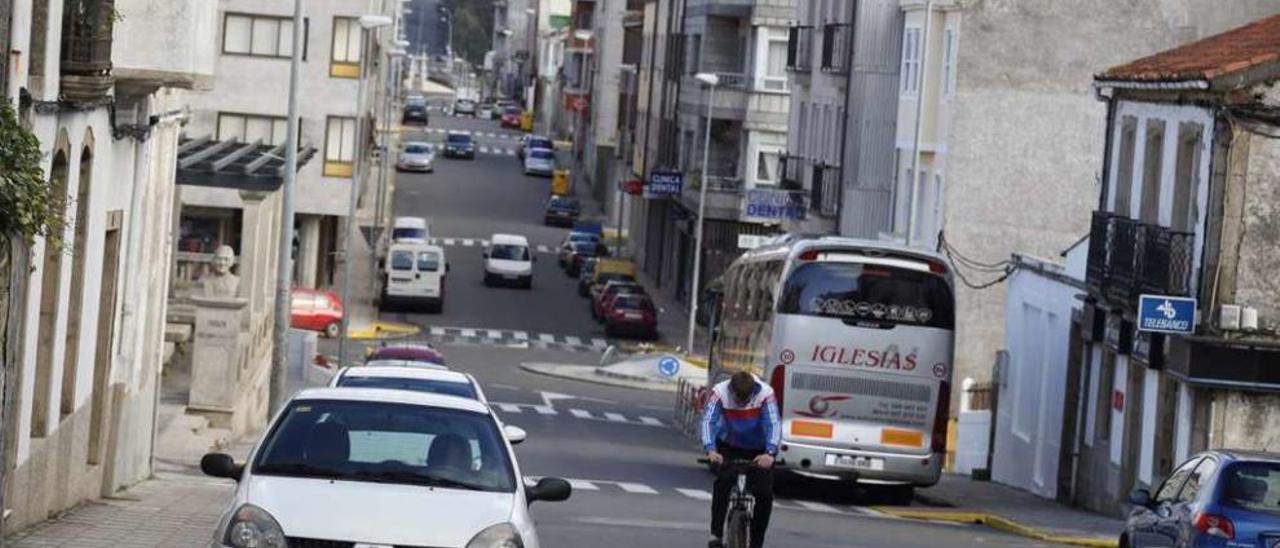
[(472, 28)]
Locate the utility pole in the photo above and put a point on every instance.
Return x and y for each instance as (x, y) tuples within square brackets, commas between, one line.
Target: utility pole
[(284, 275)]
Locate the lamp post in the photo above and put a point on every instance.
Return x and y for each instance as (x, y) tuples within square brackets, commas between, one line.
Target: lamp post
[(284, 264), (579, 132), (367, 22), (388, 100), (711, 81)]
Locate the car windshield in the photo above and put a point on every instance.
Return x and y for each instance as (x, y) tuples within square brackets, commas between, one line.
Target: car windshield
[(381, 442), (404, 233), (417, 149), (1253, 486), (583, 237), (633, 302), (541, 143), (541, 154), (586, 249), (512, 111), (611, 276), (509, 252), (434, 386), (459, 139), (402, 260)]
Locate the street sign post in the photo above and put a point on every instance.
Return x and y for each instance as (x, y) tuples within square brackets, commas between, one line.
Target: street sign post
[(668, 366), (1165, 314)]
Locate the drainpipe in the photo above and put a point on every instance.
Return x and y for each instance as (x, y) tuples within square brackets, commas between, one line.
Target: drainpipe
[(920, 98), (844, 122)]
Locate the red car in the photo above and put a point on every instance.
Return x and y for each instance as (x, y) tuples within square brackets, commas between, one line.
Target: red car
[(316, 310), (511, 117), (423, 353), (632, 314), (611, 290)]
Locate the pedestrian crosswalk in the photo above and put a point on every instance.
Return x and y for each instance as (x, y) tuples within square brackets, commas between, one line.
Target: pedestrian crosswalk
[(514, 338), (488, 150), (614, 487), (478, 242), (610, 417), (474, 134)]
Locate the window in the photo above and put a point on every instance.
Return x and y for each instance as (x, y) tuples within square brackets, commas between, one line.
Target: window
[(344, 58), (1169, 489), (1152, 170), (767, 167), (1252, 486), (261, 35), (248, 128), (1186, 182), (339, 146), (855, 292), (773, 75), (911, 61), (1124, 171), (1199, 478), (402, 260), (948, 62), (694, 60), (428, 261)]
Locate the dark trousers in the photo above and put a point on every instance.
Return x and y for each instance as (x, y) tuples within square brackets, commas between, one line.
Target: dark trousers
[(759, 483)]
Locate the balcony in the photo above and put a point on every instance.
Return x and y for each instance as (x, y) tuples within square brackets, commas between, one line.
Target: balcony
[(86, 49), (1128, 258), (837, 40), (182, 55), (824, 197), (800, 49), (791, 168), (724, 195)]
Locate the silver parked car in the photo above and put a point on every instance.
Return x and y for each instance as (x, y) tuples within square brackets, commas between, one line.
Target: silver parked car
[(416, 156)]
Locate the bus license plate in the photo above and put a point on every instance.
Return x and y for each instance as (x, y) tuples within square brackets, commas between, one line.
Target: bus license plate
[(854, 462)]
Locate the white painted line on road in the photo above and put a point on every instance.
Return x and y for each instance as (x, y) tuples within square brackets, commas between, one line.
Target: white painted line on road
[(493, 333), (468, 333), (544, 410), (573, 340), (508, 407), (817, 506), (599, 343), (637, 488), (506, 387), (546, 337), (696, 494), (468, 242), (580, 413), (583, 485), (615, 417), (520, 335), (449, 241), (650, 421), (437, 331), (484, 243)]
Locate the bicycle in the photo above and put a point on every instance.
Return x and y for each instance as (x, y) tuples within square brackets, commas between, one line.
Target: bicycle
[(742, 503)]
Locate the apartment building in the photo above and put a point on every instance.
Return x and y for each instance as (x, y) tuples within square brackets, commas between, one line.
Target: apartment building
[(843, 60), (1002, 159), (103, 93)]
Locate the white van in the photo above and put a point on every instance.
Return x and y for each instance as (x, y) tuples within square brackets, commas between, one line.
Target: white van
[(508, 260), (415, 273), (410, 230)]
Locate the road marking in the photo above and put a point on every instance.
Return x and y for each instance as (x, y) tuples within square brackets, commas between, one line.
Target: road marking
[(599, 343), (546, 337), (484, 150), (650, 421), (505, 387), (437, 331), (615, 417), (484, 243), (817, 506), (508, 407), (637, 488), (573, 340), (468, 333), (583, 485), (493, 333), (580, 413), (544, 410), (697, 494), (468, 242), (520, 335), (449, 241)]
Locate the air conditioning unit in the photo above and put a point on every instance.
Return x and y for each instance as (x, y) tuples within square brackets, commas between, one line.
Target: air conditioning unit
[(1229, 317), (1249, 318)]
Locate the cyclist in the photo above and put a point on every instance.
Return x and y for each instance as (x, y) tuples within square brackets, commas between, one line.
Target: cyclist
[(740, 421)]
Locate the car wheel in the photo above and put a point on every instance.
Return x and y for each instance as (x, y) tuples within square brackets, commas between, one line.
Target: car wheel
[(333, 330), (528, 282)]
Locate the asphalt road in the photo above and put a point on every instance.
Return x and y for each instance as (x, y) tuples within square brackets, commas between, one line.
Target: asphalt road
[(636, 480)]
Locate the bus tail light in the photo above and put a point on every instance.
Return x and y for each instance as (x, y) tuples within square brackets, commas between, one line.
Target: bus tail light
[(941, 417), (778, 380), (937, 267)]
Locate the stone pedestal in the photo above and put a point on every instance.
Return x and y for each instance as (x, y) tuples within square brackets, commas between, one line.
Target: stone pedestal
[(217, 355)]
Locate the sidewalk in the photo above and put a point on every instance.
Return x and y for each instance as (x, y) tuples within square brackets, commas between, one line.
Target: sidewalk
[(960, 499)]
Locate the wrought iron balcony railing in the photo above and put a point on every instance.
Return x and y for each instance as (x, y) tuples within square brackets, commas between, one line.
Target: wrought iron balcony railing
[(1128, 258), (86, 49), (824, 196), (800, 49), (837, 38)]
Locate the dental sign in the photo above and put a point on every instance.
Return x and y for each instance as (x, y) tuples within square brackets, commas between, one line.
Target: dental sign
[(1163, 314)]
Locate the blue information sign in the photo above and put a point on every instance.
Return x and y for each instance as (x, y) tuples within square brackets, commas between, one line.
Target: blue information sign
[(664, 183), (668, 366), (775, 204), (1162, 314)]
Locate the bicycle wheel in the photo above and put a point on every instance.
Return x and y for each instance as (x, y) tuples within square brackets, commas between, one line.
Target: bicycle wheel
[(739, 529)]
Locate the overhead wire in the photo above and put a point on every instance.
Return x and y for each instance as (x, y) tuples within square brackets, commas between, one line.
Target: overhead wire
[(1004, 268)]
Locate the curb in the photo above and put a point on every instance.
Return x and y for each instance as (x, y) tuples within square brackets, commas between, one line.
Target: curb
[(384, 330), (593, 376), (637, 348), (995, 521)]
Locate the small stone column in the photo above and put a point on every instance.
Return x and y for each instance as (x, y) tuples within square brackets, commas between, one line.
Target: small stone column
[(217, 354), (308, 250)]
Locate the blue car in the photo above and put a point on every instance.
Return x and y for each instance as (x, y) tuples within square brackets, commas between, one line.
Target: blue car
[(1217, 498), (459, 145)]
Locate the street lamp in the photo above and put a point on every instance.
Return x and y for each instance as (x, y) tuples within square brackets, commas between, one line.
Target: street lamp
[(711, 81), (388, 96), (367, 22), (579, 133)]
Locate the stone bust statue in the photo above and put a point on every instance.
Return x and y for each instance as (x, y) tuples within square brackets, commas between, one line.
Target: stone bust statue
[(221, 282)]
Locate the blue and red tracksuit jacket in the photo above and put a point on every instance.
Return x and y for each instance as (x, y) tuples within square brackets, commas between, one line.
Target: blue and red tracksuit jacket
[(753, 426)]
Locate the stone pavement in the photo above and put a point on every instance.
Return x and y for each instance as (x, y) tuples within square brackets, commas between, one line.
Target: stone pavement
[(958, 498)]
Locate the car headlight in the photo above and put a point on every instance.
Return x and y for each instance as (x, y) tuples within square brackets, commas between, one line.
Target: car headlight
[(253, 527), (502, 535)]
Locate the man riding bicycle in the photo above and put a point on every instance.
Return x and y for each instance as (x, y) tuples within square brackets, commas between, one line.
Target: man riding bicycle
[(740, 422)]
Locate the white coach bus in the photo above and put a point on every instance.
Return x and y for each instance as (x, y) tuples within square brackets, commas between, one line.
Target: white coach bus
[(857, 339)]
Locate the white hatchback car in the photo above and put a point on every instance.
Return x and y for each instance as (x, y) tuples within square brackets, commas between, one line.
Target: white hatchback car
[(414, 378), (508, 260), (377, 467)]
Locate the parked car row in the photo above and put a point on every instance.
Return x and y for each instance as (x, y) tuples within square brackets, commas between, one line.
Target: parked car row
[(401, 433), (616, 299)]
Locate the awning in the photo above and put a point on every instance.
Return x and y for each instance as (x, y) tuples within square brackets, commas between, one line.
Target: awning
[(1251, 365), (203, 161)]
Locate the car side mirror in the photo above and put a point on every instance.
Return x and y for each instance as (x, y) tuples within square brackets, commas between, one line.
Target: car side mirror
[(1140, 497), (514, 434), (549, 489), (221, 465)]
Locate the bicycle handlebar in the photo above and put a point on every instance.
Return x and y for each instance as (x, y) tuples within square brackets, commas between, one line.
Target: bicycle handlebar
[(728, 462)]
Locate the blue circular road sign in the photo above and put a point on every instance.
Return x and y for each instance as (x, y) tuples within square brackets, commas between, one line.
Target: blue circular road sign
[(668, 366)]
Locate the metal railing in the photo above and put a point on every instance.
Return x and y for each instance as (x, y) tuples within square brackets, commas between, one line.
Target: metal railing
[(800, 49), (723, 183), (86, 48), (837, 38), (1128, 258), (824, 196), (791, 170), (733, 80)]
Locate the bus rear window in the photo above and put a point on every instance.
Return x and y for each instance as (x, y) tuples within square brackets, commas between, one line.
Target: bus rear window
[(871, 293)]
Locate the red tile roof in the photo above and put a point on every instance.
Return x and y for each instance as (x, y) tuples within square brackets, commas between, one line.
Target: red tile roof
[(1230, 52)]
